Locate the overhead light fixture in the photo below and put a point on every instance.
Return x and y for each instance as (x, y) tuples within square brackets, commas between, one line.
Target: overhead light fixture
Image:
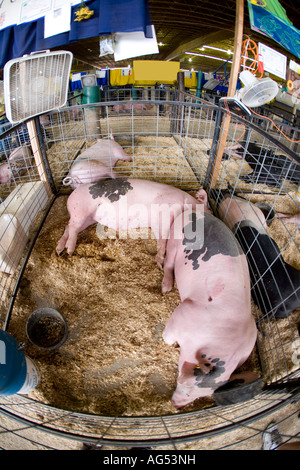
[(227, 51), (208, 56)]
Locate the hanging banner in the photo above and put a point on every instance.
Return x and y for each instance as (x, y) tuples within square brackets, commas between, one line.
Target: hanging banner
[(269, 18), (36, 25)]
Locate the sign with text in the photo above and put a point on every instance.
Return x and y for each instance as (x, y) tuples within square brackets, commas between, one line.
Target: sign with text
[(274, 62)]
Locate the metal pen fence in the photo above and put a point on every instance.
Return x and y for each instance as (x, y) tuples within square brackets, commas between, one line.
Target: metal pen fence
[(188, 145)]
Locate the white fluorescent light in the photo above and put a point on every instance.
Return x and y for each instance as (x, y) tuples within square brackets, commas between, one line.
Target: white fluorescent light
[(209, 56), (218, 49)]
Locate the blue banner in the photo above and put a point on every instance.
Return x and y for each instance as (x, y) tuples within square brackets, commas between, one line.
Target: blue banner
[(109, 16), (278, 28)]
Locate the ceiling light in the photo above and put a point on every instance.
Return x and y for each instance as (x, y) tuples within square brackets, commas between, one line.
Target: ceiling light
[(217, 49), (209, 56)]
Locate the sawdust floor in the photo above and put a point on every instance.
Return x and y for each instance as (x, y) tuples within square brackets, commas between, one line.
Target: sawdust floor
[(114, 361)]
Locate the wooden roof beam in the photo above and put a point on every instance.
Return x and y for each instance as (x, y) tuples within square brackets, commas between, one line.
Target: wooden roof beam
[(199, 42)]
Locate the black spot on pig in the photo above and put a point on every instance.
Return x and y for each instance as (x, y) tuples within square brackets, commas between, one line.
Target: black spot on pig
[(208, 380), (113, 189), (275, 285), (212, 237)]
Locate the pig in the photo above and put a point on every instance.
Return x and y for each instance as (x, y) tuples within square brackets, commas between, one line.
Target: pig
[(123, 204), (213, 324), (290, 219), (45, 120), (119, 108), (137, 106), (267, 167), (275, 283), (123, 107), (96, 163), (17, 164)]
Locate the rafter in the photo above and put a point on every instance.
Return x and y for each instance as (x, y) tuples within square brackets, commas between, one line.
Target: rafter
[(199, 42)]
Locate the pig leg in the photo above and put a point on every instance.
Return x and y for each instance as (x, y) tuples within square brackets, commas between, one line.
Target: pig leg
[(169, 334), (168, 279), (161, 249), (292, 219), (114, 175), (62, 241), (69, 238), (160, 225), (173, 331), (73, 231)]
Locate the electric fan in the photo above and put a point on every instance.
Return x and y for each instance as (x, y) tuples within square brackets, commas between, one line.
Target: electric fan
[(256, 92), (36, 83), (88, 80)]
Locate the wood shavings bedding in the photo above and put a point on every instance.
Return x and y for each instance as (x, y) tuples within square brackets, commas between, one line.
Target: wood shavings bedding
[(114, 361)]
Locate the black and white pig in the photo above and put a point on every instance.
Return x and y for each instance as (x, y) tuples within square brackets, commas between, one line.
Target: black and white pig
[(213, 324), (275, 283)]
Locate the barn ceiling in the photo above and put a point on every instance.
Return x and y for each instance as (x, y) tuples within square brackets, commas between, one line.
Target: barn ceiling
[(186, 25)]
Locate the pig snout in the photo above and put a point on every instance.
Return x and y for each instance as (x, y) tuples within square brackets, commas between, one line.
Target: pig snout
[(183, 397), (198, 380)]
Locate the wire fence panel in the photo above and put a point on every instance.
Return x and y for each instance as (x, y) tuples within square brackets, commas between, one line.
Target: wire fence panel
[(250, 172), (25, 196)]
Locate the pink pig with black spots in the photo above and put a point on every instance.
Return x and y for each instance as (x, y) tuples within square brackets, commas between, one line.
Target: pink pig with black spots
[(213, 324), (126, 204)]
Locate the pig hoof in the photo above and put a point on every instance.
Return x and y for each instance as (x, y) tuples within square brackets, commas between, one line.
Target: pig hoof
[(59, 250), (159, 261), (166, 287)]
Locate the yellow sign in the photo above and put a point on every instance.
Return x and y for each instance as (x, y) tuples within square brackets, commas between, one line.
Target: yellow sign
[(157, 71)]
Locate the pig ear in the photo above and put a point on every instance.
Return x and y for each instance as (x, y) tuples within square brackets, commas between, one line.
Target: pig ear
[(187, 372)]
